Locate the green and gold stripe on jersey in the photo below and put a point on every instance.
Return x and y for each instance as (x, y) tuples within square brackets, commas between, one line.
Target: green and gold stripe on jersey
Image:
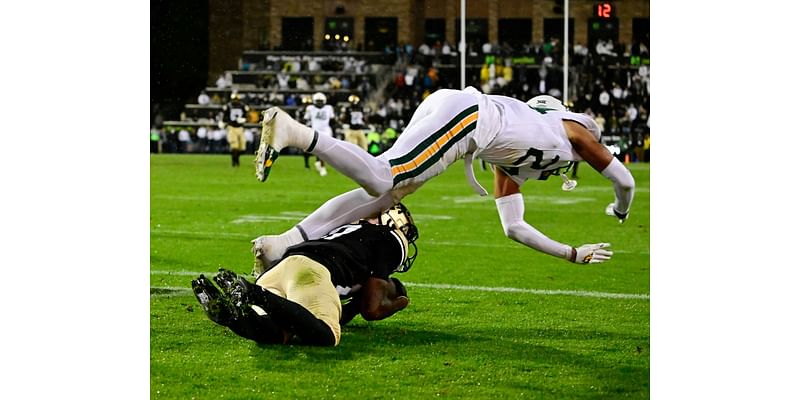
[(433, 148)]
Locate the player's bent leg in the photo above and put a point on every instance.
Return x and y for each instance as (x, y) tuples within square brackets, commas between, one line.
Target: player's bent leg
[(372, 174), (285, 313), (309, 285), (343, 209), (259, 328), (438, 135)]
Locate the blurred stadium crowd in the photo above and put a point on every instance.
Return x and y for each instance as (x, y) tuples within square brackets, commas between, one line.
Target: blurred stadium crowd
[(610, 81)]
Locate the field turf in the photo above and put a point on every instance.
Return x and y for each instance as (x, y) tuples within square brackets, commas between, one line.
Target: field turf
[(488, 319)]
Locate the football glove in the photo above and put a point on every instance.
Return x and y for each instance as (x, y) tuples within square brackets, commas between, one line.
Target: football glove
[(611, 212), (592, 253)]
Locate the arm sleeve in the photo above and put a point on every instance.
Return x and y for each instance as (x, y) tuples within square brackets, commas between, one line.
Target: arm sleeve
[(623, 186), (512, 209)]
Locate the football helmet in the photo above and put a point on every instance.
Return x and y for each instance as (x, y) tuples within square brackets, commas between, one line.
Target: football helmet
[(319, 99), (399, 218), (235, 96), (546, 103), (354, 99)]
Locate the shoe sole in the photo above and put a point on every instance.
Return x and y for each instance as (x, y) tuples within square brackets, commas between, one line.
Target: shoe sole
[(266, 154)]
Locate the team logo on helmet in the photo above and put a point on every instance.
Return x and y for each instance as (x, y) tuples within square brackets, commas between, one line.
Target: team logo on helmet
[(546, 103)]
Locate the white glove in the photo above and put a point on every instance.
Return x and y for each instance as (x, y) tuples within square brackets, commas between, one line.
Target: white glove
[(611, 212), (592, 253)]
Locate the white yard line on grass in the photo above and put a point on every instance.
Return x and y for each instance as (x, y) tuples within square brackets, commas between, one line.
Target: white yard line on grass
[(176, 291)]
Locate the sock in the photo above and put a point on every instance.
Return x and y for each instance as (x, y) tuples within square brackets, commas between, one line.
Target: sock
[(373, 174), (274, 246), (260, 328), (342, 209)]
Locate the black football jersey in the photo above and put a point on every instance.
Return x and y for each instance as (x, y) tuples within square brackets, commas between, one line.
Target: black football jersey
[(233, 112), (352, 253), (356, 117)]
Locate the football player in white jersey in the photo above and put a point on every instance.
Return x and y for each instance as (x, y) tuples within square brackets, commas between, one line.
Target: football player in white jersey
[(319, 115), (522, 142)]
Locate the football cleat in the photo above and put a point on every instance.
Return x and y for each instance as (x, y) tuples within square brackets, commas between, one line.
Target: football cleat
[(213, 302), (225, 279), (242, 293), (279, 130), (266, 154)]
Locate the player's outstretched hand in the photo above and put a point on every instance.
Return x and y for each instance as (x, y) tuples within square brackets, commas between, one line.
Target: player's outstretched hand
[(592, 253), (611, 212)]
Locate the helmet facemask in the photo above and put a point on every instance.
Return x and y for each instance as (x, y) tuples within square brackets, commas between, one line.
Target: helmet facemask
[(399, 218)]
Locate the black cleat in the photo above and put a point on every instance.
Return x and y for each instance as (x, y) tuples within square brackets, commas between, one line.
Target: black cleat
[(243, 294), (214, 303), (226, 280)]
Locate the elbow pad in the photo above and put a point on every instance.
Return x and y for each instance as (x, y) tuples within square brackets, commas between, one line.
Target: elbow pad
[(623, 185)]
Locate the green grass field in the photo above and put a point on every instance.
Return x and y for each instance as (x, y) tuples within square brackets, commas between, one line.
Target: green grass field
[(488, 319)]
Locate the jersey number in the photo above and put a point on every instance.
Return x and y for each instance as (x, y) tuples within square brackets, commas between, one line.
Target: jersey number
[(341, 231), (538, 157), (236, 113)]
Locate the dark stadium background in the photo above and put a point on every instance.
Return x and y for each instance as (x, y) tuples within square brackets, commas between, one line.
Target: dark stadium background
[(178, 53)]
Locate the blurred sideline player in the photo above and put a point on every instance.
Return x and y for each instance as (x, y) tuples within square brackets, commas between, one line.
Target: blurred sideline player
[(523, 143), (300, 296), (235, 112), (318, 116), (356, 120)]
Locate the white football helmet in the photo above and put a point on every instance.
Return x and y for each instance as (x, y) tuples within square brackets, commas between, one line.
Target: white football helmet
[(319, 99), (399, 218), (546, 103)]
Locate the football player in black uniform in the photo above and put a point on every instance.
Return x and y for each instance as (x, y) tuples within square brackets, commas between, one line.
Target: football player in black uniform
[(235, 113), (301, 296), (356, 117)]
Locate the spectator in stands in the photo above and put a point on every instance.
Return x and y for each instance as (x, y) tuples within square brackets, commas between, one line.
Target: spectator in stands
[(202, 139), (542, 86), (424, 49), (638, 131), (218, 139), (222, 82), (283, 80), (203, 98), (605, 49), (184, 140), (155, 139), (313, 64), (604, 100), (447, 53), (601, 122), (631, 112), (302, 84)]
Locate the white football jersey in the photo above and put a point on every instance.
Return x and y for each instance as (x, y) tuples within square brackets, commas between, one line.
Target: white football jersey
[(526, 143), (320, 118)]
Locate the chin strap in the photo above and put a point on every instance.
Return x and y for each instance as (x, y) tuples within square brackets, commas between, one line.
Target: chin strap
[(471, 176)]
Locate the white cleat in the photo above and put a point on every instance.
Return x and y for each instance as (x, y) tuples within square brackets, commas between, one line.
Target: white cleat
[(323, 171), (279, 130), (267, 250)]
